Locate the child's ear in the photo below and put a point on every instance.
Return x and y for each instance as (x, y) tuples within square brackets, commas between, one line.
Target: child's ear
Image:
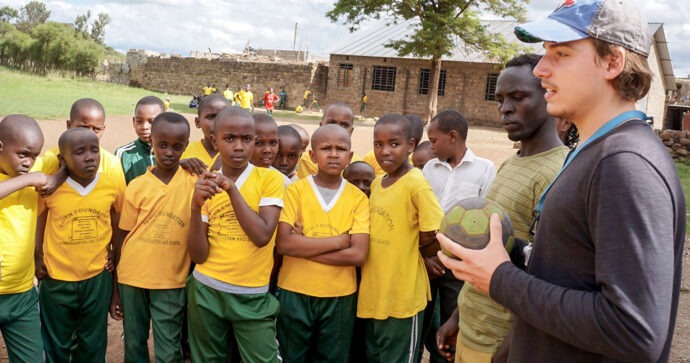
[(2, 145), (68, 124), (453, 136), (61, 159), (410, 146), (312, 155), (196, 122), (349, 160), (213, 142)]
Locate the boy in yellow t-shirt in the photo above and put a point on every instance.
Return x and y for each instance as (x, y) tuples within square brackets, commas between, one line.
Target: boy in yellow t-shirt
[(89, 114), (234, 214), (317, 280), (404, 216), (200, 155), (338, 114), (21, 141), (417, 129), (73, 237), (153, 259)]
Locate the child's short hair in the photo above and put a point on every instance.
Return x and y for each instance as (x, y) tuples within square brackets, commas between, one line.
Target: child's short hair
[(396, 119), (11, 124), (262, 118), (636, 79), (214, 97), (355, 164), (423, 146), (171, 118), (150, 100), (449, 120), (72, 134), (287, 131), (231, 111), (82, 104), (417, 127), (329, 128)]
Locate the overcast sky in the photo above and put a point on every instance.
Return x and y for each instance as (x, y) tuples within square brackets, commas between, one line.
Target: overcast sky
[(179, 26)]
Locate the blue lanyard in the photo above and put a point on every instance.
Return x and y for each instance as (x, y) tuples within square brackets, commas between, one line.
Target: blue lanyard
[(608, 126)]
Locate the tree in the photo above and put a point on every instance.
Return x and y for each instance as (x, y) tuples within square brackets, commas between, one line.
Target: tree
[(81, 24), (7, 14), (32, 14), (98, 28), (441, 27)]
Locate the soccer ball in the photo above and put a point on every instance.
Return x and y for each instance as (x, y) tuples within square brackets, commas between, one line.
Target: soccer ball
[(468, 223)]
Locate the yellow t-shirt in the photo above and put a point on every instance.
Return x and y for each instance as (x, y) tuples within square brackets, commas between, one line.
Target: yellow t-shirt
[(370, 159), (306, 94), (227, 94), (348, 211), (110, 164), (232, 257), (246, 99), (207, 90), (197, 150), (154, 254), (306, 167), (394, 280), (78, 228), (17, 233)]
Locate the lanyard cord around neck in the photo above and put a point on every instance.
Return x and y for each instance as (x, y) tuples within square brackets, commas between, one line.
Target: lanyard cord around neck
[(608, 127)]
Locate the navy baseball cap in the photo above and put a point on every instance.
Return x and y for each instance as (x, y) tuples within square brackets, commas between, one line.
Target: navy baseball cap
[(614, 21)]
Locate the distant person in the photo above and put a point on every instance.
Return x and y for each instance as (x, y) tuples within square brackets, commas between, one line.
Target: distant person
[(307, 93), (363, 104), (228, 93), (269, 101), (207, 89), (237, 97), (247, 98), (283, 99), (138, 155), (314, 103), (194, 103)]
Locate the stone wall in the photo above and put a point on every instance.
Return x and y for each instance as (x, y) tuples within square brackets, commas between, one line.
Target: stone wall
[(187, 75), (290, 55), (465, 88), (677, 142)]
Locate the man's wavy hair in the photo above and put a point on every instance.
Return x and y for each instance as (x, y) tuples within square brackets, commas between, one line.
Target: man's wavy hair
[(636, 79)]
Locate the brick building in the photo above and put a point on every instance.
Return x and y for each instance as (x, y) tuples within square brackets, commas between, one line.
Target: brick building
[(467, 83)]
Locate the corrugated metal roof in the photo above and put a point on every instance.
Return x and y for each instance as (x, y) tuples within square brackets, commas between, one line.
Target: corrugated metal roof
[(370, 43)]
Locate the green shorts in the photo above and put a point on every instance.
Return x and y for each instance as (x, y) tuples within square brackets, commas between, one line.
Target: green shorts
[(213, 313), (393, 340), (20, 325), (315, 329)]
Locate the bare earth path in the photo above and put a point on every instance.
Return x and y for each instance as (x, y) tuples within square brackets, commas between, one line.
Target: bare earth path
[(485, 142)]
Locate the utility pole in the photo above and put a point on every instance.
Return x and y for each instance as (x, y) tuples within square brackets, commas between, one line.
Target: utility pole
[(294, 38)]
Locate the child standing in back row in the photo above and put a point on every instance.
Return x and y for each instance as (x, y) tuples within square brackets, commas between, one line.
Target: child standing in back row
[(404, 216), (201, 154), (317, 280), (153, 259), (234, 214), (73, 237)]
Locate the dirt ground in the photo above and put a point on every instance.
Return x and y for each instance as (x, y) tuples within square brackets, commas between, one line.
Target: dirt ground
[(485, 142)]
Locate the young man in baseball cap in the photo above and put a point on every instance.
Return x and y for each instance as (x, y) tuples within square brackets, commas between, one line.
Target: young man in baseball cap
[(604, 276)]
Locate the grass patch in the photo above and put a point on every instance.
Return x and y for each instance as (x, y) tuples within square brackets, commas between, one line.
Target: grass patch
[(50, 97), (684, 173)]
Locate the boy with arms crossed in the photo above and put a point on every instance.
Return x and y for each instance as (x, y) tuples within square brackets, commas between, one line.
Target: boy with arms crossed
[(137, 156), (153, 263), (317, 280), (73, 237), (234, 214), (480, 323), (21, 141), (605, 285), (404, 216)]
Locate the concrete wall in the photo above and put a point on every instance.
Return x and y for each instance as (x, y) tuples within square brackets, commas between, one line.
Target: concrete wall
[(465, 88)]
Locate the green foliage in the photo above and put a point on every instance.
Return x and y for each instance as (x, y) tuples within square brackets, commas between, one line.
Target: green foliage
[(98, 28), (31, 15), (442, 25), (81, 24), (7, 14)]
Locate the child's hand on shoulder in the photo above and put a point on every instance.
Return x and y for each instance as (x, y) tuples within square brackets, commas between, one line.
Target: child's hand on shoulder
[(193, 165), (204, 189)]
